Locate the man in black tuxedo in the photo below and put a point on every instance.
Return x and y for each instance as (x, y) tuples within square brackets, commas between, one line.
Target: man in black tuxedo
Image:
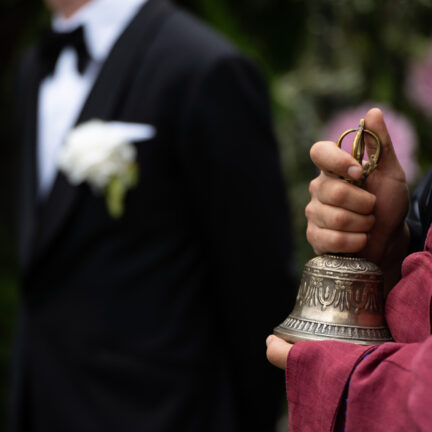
[(132, 324)]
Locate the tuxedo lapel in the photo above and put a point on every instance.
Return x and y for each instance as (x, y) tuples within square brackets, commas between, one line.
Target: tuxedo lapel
[(104, 102), (30, 78)]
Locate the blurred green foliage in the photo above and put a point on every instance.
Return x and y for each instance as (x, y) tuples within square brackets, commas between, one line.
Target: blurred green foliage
[(320, 56)]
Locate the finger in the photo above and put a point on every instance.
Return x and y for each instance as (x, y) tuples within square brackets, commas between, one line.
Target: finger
[(328, 157), (339, 219), (277, 351), (374, 121), (331, 241), (336, 192)]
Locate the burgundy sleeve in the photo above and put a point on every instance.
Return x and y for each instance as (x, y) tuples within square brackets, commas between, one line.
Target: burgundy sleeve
[(316, 377), (408, 306), (390, 390)]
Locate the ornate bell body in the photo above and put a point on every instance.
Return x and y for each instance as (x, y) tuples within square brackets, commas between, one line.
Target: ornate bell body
[(340, 298)]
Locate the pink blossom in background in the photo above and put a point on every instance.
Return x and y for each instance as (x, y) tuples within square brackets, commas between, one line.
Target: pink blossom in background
[(418, 86), (402, 133)]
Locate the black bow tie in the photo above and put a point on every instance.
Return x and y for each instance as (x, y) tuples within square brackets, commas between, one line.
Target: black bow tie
[(53, 43)]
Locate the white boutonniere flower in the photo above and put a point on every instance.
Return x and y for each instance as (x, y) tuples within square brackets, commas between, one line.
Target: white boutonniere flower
[(102, 154)]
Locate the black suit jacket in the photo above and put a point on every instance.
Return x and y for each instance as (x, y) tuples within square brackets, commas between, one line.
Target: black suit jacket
[(157, 321)]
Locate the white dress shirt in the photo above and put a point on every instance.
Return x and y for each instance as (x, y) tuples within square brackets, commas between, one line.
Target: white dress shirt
[(62, 95)]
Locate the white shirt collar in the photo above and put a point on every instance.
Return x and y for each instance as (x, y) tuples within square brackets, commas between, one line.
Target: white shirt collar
[(103, 22)]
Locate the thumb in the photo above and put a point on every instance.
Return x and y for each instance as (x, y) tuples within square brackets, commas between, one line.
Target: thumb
[(374, 121), (277, 351)]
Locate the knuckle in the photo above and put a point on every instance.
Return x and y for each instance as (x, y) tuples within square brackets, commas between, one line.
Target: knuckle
[(346, 242), (310, 234), (313, 238), (309, 211), (338, 194), (313, 186), (368, 201), (338, 241), (341, 219)]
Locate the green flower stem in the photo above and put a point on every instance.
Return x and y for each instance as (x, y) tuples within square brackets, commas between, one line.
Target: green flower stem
[(116, 189)]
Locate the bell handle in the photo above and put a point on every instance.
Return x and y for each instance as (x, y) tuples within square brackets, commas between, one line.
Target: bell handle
[(358, 150)]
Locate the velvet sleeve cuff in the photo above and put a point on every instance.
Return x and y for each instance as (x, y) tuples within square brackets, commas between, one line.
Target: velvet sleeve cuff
[(408, 306), (316, 376), (380, 388)]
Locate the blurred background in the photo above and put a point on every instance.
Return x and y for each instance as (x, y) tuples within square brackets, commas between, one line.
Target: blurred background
[(326, 61)]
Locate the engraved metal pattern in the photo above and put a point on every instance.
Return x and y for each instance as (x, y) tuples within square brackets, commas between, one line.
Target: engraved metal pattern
[(297, 329), (352, 265), (339, 293), (340, 297)]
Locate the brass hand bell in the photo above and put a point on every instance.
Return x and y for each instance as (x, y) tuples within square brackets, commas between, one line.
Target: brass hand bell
[(341, 297)]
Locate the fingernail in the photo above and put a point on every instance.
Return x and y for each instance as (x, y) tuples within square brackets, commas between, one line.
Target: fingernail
[(355, 172), (268, 340)]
